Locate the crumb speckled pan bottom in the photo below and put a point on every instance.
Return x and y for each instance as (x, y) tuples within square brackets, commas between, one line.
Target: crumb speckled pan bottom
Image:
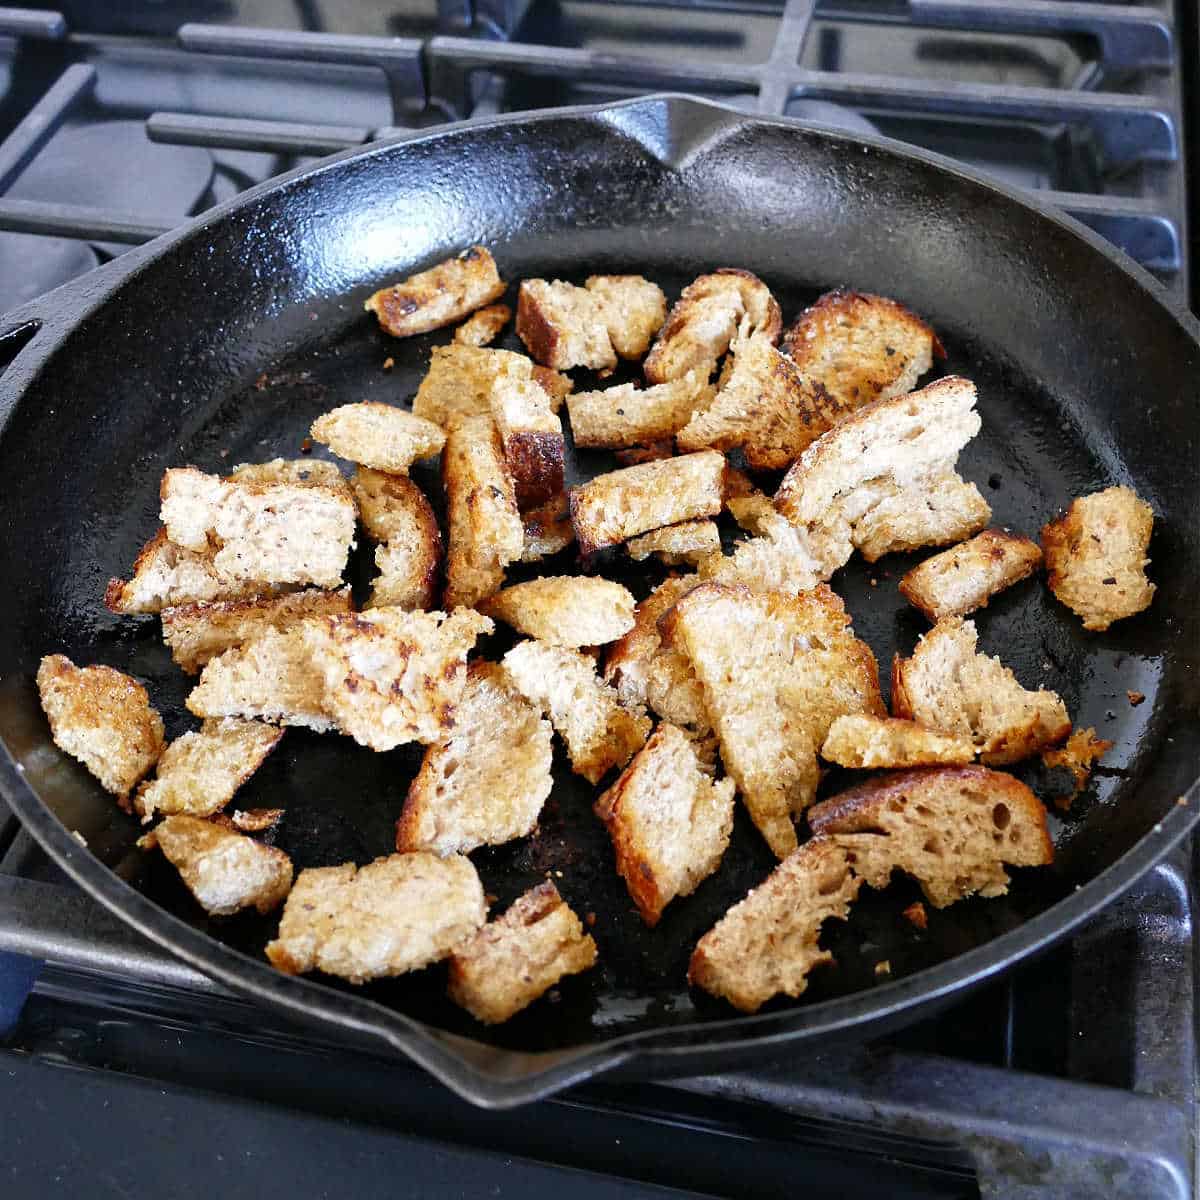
[(220, 343)]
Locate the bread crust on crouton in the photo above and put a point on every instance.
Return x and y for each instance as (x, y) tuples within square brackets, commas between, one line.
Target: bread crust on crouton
[(563, 326), (548, 529), (443, 294), (397, 514)]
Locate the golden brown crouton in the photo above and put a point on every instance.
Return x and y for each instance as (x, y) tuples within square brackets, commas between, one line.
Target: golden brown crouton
[(483, 327), (565, 610), (564, 326), (459, 382), (439, 296), (1096, 556), (1077, 754), (684, 544), (395, 512), (548, 529), (554, 383), (861, 741), (748, 506), (631, 416), (532, 438), (397, 914), (518, 957), (255, 820), (633, 309), (378, 435), (103, 719)]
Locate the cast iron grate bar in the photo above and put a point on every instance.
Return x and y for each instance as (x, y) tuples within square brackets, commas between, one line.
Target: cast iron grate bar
[(76, 221), (43, 120), (233, 133), (32, 23)]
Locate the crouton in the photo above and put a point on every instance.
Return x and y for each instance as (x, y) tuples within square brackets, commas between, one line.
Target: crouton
[(395, 512), (548, 529), (378, 435), (599, 731), (748, 506), (944, 509), (705, 319), (439, 296), (225, 871), (518, 957), (532, 438), (948, 686), (302, 472), (766, 945), (782, 558), (1096, 556), (396, 914), (199, 772), (564, 610), (459, 382), (103, 719), (776, 671), (483, 327), (684, 544), (564, 326), (486, 783), (555, 384), (669, 822), (196, 633), (952, 828), (255, 820), (630, 416), (633, 309), (620, 505), (861, 741), (1077, 755), (965, 577)]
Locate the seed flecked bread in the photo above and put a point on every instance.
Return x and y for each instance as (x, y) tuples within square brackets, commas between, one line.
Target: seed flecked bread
[(633, 310), (685, 544), (565, 610), (1096, 556), (439, 296), (867, 742), (564, 326), (626, 415), (396, 914), (397, 514), (548, 529), (376, 435), (519, 956), (532, 437), (482, 328)]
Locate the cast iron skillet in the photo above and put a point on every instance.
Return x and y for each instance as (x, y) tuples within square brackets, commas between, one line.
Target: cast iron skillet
[(219, 343)]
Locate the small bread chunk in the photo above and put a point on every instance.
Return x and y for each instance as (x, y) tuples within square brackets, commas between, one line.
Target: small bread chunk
[(781, 559), (255, 820), (1096, 556), (599, 731), (633, 309), (965, 577), (103, 719), (196, 633), (532, 438), (439, 296), (952, 828), (397, 914), (855, 348), (378, 435), (459, 382), (564, 326), (396, 513), (615, 507), (486, 783), (944, 509), (483, 327), (518, 957), (776, 671), (565, 610), (224, 870), (199, 773), (684, 544), (749, 507), (946, 685), (705, 319), (1077, 754), (548, 529), (669, 822), (766, 944), (860, 741), (624, 416), (555, 384)]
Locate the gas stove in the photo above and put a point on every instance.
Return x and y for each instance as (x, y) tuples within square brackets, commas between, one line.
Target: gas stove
[(123, 1069)]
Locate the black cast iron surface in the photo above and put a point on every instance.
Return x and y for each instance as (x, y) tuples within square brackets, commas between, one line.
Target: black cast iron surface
[(219, 345)]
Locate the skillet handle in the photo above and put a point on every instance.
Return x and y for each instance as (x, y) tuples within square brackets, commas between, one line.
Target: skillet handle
[(15, 334)]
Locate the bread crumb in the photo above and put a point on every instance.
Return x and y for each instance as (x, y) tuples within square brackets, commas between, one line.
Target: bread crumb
[(1078, 754), (1181, 801), (915, 914), (388, 363), (306, 446), (590, 919), (883, 967), (1136, 698)]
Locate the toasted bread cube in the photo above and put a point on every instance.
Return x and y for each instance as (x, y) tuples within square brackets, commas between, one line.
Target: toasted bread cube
[(555, 384), (224, 870), (766, 944), (633, 310), (255, 820), (564, 326), (965, 577), (948, 686), (942, 509), (532, 438), (439, 296), (486, 783), (705, 319), (951, 828), (395, 512), (777, 671), (669, 822), (102, 718), (615, 507), (1077, 755), (630, 416), (519, 956), (483, 327), (599, 731), (749, 507), (565, 610), (548, 529), (376, 435), (196, 633), (396, 914), (684, 544), (1096, 556), (459, 382), (199, 772), (782, 559), (860, 741)]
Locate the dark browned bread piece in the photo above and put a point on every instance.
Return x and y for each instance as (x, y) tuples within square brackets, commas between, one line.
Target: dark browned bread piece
[(439, 296), (532, 437)]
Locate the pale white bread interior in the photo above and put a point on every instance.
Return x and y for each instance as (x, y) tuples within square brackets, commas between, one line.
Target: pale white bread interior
[(554, 383), (482, 328), (200, 771), (626, 415), (396, 914), (519, 956), (633, 310), (685, 544), (599, 732), (378, 435), (395, 512), (459, 382), (948, 686), (751, 508), (196, 633), (864, 741), (225, 871), (952, 828), (564, 326), (565, 610), (767, 944), (486, 783), (532, 437), (622, 504), (782, 558), (668, 820), (960, 580), (439, 296), (1096, 556), (548, 529), (776, 671), (102, 718)]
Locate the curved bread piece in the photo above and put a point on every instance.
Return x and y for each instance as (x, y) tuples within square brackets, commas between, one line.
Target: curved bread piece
[(782, 558), (624, 416), (565, 610), (548, 529), (633, 309), (564, 326), (439, 296), (378, 435), (685, 544), (532, 437), (861, 742), (482, 328), (459, 382), (396, 513)]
